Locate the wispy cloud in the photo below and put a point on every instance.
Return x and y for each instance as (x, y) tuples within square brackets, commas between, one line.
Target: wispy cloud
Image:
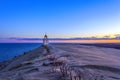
[(106, 37), (18, 39), (26, 38)]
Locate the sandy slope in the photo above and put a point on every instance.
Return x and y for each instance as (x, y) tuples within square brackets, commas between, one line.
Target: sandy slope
[(94, 63)]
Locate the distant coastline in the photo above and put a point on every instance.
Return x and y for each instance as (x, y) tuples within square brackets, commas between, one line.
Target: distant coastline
[(105, 45)]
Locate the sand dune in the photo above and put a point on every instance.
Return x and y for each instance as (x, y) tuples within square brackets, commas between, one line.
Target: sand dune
[(64, 62)]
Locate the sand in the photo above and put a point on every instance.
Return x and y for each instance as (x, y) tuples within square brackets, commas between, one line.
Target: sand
[(64, 62)]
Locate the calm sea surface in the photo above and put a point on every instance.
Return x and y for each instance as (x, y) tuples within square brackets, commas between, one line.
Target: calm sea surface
[(9, 50)]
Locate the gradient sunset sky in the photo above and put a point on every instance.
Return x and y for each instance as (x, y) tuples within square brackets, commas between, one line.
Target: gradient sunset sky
[(58, 18)]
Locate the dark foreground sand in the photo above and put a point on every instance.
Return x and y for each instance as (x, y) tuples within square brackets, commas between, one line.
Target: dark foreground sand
[(64, 62)]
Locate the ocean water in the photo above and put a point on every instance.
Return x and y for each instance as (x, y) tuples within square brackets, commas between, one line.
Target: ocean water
[(9, 50)]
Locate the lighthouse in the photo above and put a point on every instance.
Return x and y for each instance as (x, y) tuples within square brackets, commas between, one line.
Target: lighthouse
[(45, 40)]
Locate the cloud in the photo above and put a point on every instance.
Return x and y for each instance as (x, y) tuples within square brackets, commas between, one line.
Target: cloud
[(106, 37), (117, 36), (26, 38)]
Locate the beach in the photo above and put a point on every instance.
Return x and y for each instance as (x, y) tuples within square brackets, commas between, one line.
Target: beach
[(64, 62)]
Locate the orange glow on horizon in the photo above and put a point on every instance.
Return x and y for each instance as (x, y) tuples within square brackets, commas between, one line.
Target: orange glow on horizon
[(86, 41), (63, 41)]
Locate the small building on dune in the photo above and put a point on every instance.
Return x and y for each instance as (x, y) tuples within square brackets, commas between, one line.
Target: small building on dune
[(45, 40)]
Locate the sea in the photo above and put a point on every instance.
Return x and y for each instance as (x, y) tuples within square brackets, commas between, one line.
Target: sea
[(10, 50)]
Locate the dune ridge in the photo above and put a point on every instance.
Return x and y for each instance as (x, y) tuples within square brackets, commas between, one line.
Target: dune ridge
[(63, 62)]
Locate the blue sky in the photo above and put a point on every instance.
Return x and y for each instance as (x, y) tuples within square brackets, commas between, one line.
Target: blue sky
[(59, 18)]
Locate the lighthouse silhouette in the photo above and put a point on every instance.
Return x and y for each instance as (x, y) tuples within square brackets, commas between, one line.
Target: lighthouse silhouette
[(45, 40)]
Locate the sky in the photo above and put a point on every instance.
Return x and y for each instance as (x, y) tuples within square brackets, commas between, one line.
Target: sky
[(58, 18)]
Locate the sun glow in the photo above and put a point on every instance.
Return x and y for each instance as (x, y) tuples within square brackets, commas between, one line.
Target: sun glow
[(85, 41)]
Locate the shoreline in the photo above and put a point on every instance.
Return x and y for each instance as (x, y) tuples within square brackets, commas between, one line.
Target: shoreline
[(102, 45)]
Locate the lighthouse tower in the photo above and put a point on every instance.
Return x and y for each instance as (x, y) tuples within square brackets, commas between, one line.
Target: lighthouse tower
[(45, 40)]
